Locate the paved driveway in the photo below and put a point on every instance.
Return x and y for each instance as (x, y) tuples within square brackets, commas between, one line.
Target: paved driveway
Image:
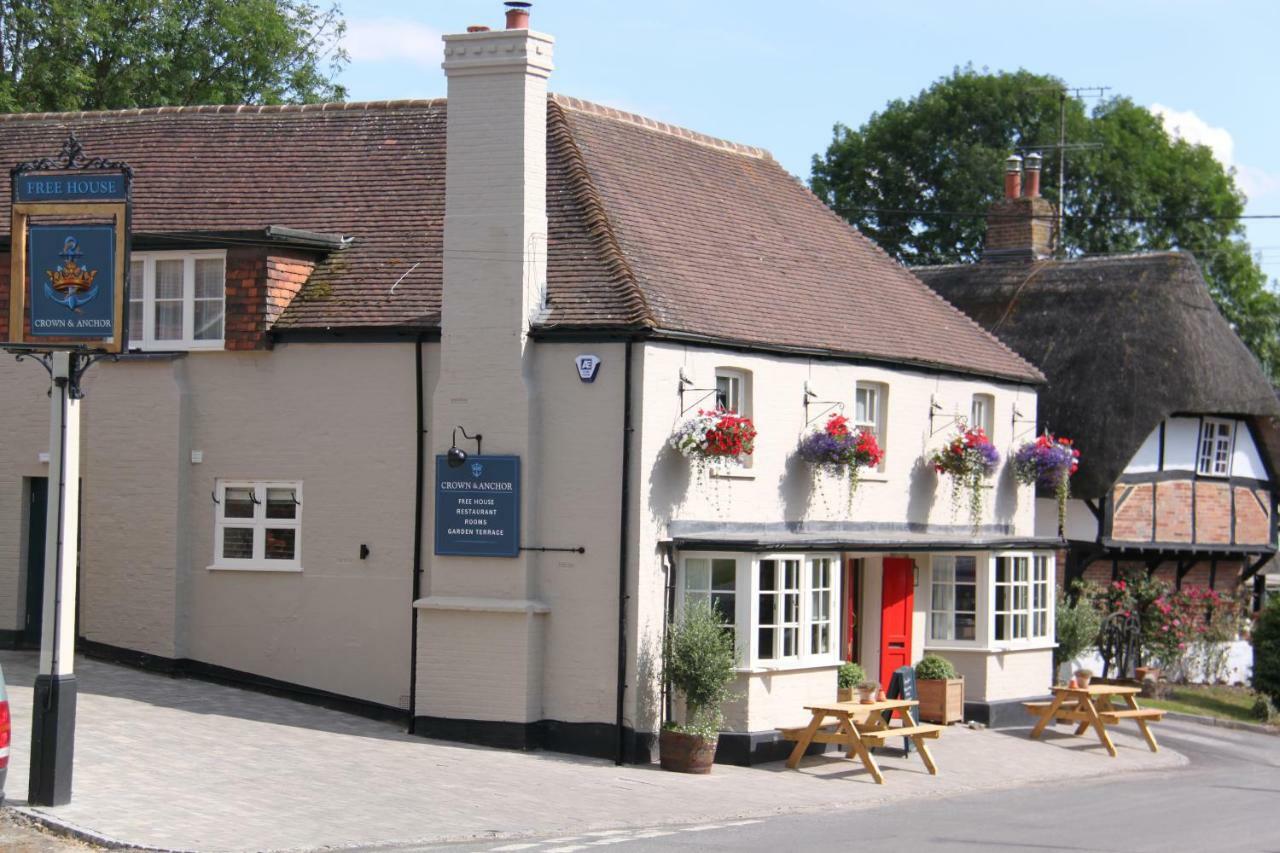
[(181, 764)]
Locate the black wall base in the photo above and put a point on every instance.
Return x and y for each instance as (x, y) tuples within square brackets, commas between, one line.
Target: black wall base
[(747, 749), (188, 668), (1002, 714), (53, 730), (595, 740)]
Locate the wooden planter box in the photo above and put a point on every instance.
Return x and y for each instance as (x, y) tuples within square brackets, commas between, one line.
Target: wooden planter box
[(941, 701)]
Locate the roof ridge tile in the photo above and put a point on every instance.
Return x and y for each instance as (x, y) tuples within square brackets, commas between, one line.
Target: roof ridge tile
[(228, 109), (570, 102)]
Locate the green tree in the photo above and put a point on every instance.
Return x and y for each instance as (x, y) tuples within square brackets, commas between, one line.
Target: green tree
[(1266, 650), (915, 174), (59, 55)]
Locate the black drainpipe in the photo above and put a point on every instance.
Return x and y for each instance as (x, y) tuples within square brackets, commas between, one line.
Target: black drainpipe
[(623, 534), (417, 544)]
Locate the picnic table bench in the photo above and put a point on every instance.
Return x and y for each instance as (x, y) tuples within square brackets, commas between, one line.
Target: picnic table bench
[(859, 728), (1092, 706)]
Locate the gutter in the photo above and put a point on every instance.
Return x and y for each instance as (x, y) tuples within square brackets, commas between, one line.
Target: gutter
[(417, 540), (624, 554)]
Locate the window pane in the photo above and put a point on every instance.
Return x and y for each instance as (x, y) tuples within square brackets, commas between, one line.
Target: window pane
[(237, 543), (136, 331), (966, 597), (1002, 569), (209, 278), (280, 543), (942, 597), (768, 574), (938, 625), (723, 603), (169, 279), (768, 609), (790, 608), (208, 319), (1002, 627), (724, 574), (237, 503), (1002, 598), (821, 639), (766, 643), (281, 504), (966, 569), (697, 573), (792, 574), (790, 642), (168, 320), (966, 626)]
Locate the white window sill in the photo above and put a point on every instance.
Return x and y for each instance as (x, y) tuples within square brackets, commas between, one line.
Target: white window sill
[(787, 666), (178, 346), (253, 567), (995, 649)]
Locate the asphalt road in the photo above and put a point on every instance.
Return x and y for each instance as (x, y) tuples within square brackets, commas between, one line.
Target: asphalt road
[(1228, 799)]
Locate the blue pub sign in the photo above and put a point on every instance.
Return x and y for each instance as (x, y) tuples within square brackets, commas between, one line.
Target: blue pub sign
[(70, 187), (72, 273), (478, 507)]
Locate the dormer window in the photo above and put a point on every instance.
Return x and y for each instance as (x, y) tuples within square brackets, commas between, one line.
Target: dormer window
[(177, 300), (1216, 438)]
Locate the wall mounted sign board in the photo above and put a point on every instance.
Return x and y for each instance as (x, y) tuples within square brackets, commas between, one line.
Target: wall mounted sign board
[(70, 187), (72, 271), (478, 507)]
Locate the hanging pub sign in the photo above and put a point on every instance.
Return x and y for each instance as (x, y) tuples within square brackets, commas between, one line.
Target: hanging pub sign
[(478, 507), (69, 264)]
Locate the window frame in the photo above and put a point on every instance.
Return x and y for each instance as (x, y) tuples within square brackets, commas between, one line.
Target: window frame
[(743, 379), (146, 261), (1034, 560), (980, 617), (1218, 442), (746, 604), (879, 421), (259, 523), (987, 421)]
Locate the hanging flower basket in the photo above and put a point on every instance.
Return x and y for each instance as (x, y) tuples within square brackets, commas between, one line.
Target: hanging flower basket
[(714, 436), (1048, 462), (839, 451), (968, 459)]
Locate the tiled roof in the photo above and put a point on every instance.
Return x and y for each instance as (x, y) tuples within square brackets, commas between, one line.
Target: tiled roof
[(651, 226)]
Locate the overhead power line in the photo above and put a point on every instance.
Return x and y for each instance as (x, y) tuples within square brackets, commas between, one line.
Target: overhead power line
[(978, 214)]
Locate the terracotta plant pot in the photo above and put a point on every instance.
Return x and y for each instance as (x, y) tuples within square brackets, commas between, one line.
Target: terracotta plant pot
[(684, 753), (1083, 680)]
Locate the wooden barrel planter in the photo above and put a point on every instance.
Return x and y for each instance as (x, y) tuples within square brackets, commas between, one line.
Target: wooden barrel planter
[(686, 753)]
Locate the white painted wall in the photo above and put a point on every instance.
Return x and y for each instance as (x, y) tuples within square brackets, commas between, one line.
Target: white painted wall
[(1147, 458), (1181, 440), (1246, 461), (1181, 450), (1082, 524)]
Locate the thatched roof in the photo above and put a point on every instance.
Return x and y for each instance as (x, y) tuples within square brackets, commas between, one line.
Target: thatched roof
[(1125, 341)]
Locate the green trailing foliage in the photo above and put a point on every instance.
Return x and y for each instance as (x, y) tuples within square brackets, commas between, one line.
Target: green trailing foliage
[(66, 55), (699, 660), (1266, 651), (935, 668), (941, 153), (850, 675)]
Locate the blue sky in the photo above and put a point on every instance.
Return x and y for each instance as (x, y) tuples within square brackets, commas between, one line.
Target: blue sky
[(779, 75)]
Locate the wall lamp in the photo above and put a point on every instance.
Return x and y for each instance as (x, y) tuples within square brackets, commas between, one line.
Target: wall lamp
[(457, 457)]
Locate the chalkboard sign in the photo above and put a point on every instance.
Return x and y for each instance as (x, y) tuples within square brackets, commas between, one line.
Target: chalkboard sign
[(902, 685)]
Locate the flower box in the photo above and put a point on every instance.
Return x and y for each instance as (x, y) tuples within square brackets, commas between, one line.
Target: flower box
[(941, 700)]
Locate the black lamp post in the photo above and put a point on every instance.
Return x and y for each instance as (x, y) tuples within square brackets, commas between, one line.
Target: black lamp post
[(457, 457)]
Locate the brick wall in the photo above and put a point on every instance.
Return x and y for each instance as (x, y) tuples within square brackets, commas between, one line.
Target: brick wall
[(1225, 578), (260, 285), (1213, 513), (1253, 515), (1173, 511), (1020, 224), (1132, 518)]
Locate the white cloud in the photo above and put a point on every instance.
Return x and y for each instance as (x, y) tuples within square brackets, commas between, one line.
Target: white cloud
[(1185, 124), (393, 40)]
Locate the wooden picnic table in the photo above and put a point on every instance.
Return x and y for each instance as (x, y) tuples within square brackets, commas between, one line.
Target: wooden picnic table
[(858, 727), (1092, 706)]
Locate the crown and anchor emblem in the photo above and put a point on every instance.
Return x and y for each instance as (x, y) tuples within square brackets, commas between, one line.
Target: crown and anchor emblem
[(71, 284)]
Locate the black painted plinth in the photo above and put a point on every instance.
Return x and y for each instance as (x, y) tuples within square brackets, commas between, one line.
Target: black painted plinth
[(53, 731)]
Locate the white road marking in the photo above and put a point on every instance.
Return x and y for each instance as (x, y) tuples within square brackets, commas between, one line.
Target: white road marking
[(513, 847), (702, 828), (568, 849), (608, 832), (656, 833)]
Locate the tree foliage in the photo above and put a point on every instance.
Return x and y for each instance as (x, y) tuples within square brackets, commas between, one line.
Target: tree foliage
[(1266, 650), (915, 176), (699, 660), (63, 55)]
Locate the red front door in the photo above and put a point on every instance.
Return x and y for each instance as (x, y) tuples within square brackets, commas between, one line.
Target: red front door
[(895, 616)]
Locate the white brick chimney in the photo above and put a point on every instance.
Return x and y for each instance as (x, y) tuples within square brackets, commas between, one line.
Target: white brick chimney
[(480, 622)]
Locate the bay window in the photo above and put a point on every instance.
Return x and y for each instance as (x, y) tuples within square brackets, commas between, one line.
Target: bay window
[(954, 599), (780, 607), (991, 600)]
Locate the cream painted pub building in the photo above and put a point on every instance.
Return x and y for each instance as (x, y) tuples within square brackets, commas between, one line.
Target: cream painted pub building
[(330, 296)]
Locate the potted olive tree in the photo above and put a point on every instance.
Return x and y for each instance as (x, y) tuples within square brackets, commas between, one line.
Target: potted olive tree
[(940, 689), (699, 661), (848, 679)]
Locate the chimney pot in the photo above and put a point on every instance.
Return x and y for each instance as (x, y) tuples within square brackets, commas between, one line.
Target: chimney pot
[(477, 28), (1031, 188), (1013, 176), (517, 15)]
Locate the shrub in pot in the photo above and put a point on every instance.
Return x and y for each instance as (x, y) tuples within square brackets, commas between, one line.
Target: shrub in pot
[(867, 691), (940, 690), (699, 661), (847, 680)]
